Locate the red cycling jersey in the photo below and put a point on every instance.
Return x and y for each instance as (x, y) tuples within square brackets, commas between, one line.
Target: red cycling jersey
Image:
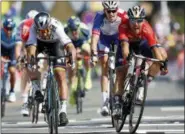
[(146, 32), (26, 28)]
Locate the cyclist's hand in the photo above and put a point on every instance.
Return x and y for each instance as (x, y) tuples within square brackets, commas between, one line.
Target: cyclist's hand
[(94, 58), (164, 69), (4, 58), (32, 65), (70, 62)]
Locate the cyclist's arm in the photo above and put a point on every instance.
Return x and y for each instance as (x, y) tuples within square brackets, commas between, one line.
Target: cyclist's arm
[(31, 44), (149, 34), (124, 41), (65, 40), (18, 48), (71, 49), (94, 42), (125, 48), (98, 20)]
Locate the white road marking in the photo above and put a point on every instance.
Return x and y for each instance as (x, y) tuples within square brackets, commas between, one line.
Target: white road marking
[(144, 118), (171, 109), (139, 131)]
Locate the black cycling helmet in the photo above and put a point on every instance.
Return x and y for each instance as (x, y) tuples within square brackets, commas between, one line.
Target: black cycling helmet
[(136, 12), (42, 21)]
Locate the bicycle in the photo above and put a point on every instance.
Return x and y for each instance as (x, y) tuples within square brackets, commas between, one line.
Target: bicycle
[(136, 77), (111, 76), (80, 93), (4, 75), (51, 95), (33, 105)]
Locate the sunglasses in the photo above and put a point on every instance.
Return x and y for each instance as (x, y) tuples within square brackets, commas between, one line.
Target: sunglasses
[(136, 20), (8, 29), (44, 32), (111, 11)]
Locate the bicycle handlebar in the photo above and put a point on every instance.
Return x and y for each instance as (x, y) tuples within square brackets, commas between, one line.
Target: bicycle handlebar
[(147, 58), (51, 58)]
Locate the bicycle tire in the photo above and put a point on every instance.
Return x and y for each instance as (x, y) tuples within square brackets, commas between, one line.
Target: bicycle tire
[(111, 96), (79, 101), (30, 104), (118, 126), (33, 112), (3, 102), (55, 107), (50, 106), (132, 129)]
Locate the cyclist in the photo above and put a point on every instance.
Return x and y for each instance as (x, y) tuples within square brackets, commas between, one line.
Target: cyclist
[(105, 30), (8, 51), (136, 30), (21, 38), (48, 33), (80, 36)]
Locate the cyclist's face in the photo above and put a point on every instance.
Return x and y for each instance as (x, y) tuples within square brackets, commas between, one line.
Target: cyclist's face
[(75, 34), (45, 33), (8, 32), (111, 14), (135, 25)]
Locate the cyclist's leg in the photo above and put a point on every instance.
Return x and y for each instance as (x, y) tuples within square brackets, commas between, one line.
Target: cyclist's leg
[(104, 78), (60, 75), (121, 71), (43, 67), (86, 52), (12, 71), (25, 87), (4, 67)]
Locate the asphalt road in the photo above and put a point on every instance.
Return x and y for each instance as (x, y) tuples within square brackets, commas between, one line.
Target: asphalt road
[(164, 113)]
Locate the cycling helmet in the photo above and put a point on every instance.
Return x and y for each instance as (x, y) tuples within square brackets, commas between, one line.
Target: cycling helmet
[(42, 21), (73, 22), (110, 4), (31, 14), (136, 12), (9, 24)]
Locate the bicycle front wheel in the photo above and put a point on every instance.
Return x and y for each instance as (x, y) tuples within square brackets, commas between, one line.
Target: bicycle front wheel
[(35, 112), (119, 122), (136, 110), (3, 102), (55, 104), (111, 87), (53, 107)]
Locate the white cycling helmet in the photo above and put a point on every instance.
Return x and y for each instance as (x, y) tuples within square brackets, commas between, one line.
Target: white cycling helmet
[(31, 14), (110, 4)]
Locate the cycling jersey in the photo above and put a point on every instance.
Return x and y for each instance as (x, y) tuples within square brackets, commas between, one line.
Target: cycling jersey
[(84, 35), (8, 47), (146, 33), (54, 45), (108, 31), (23, 30), (57, 33)]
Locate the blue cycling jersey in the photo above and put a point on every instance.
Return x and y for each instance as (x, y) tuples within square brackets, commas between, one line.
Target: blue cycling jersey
[(7, 43), (8, 47)]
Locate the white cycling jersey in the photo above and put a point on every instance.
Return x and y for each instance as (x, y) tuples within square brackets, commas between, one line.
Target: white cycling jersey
[(57, 33)]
